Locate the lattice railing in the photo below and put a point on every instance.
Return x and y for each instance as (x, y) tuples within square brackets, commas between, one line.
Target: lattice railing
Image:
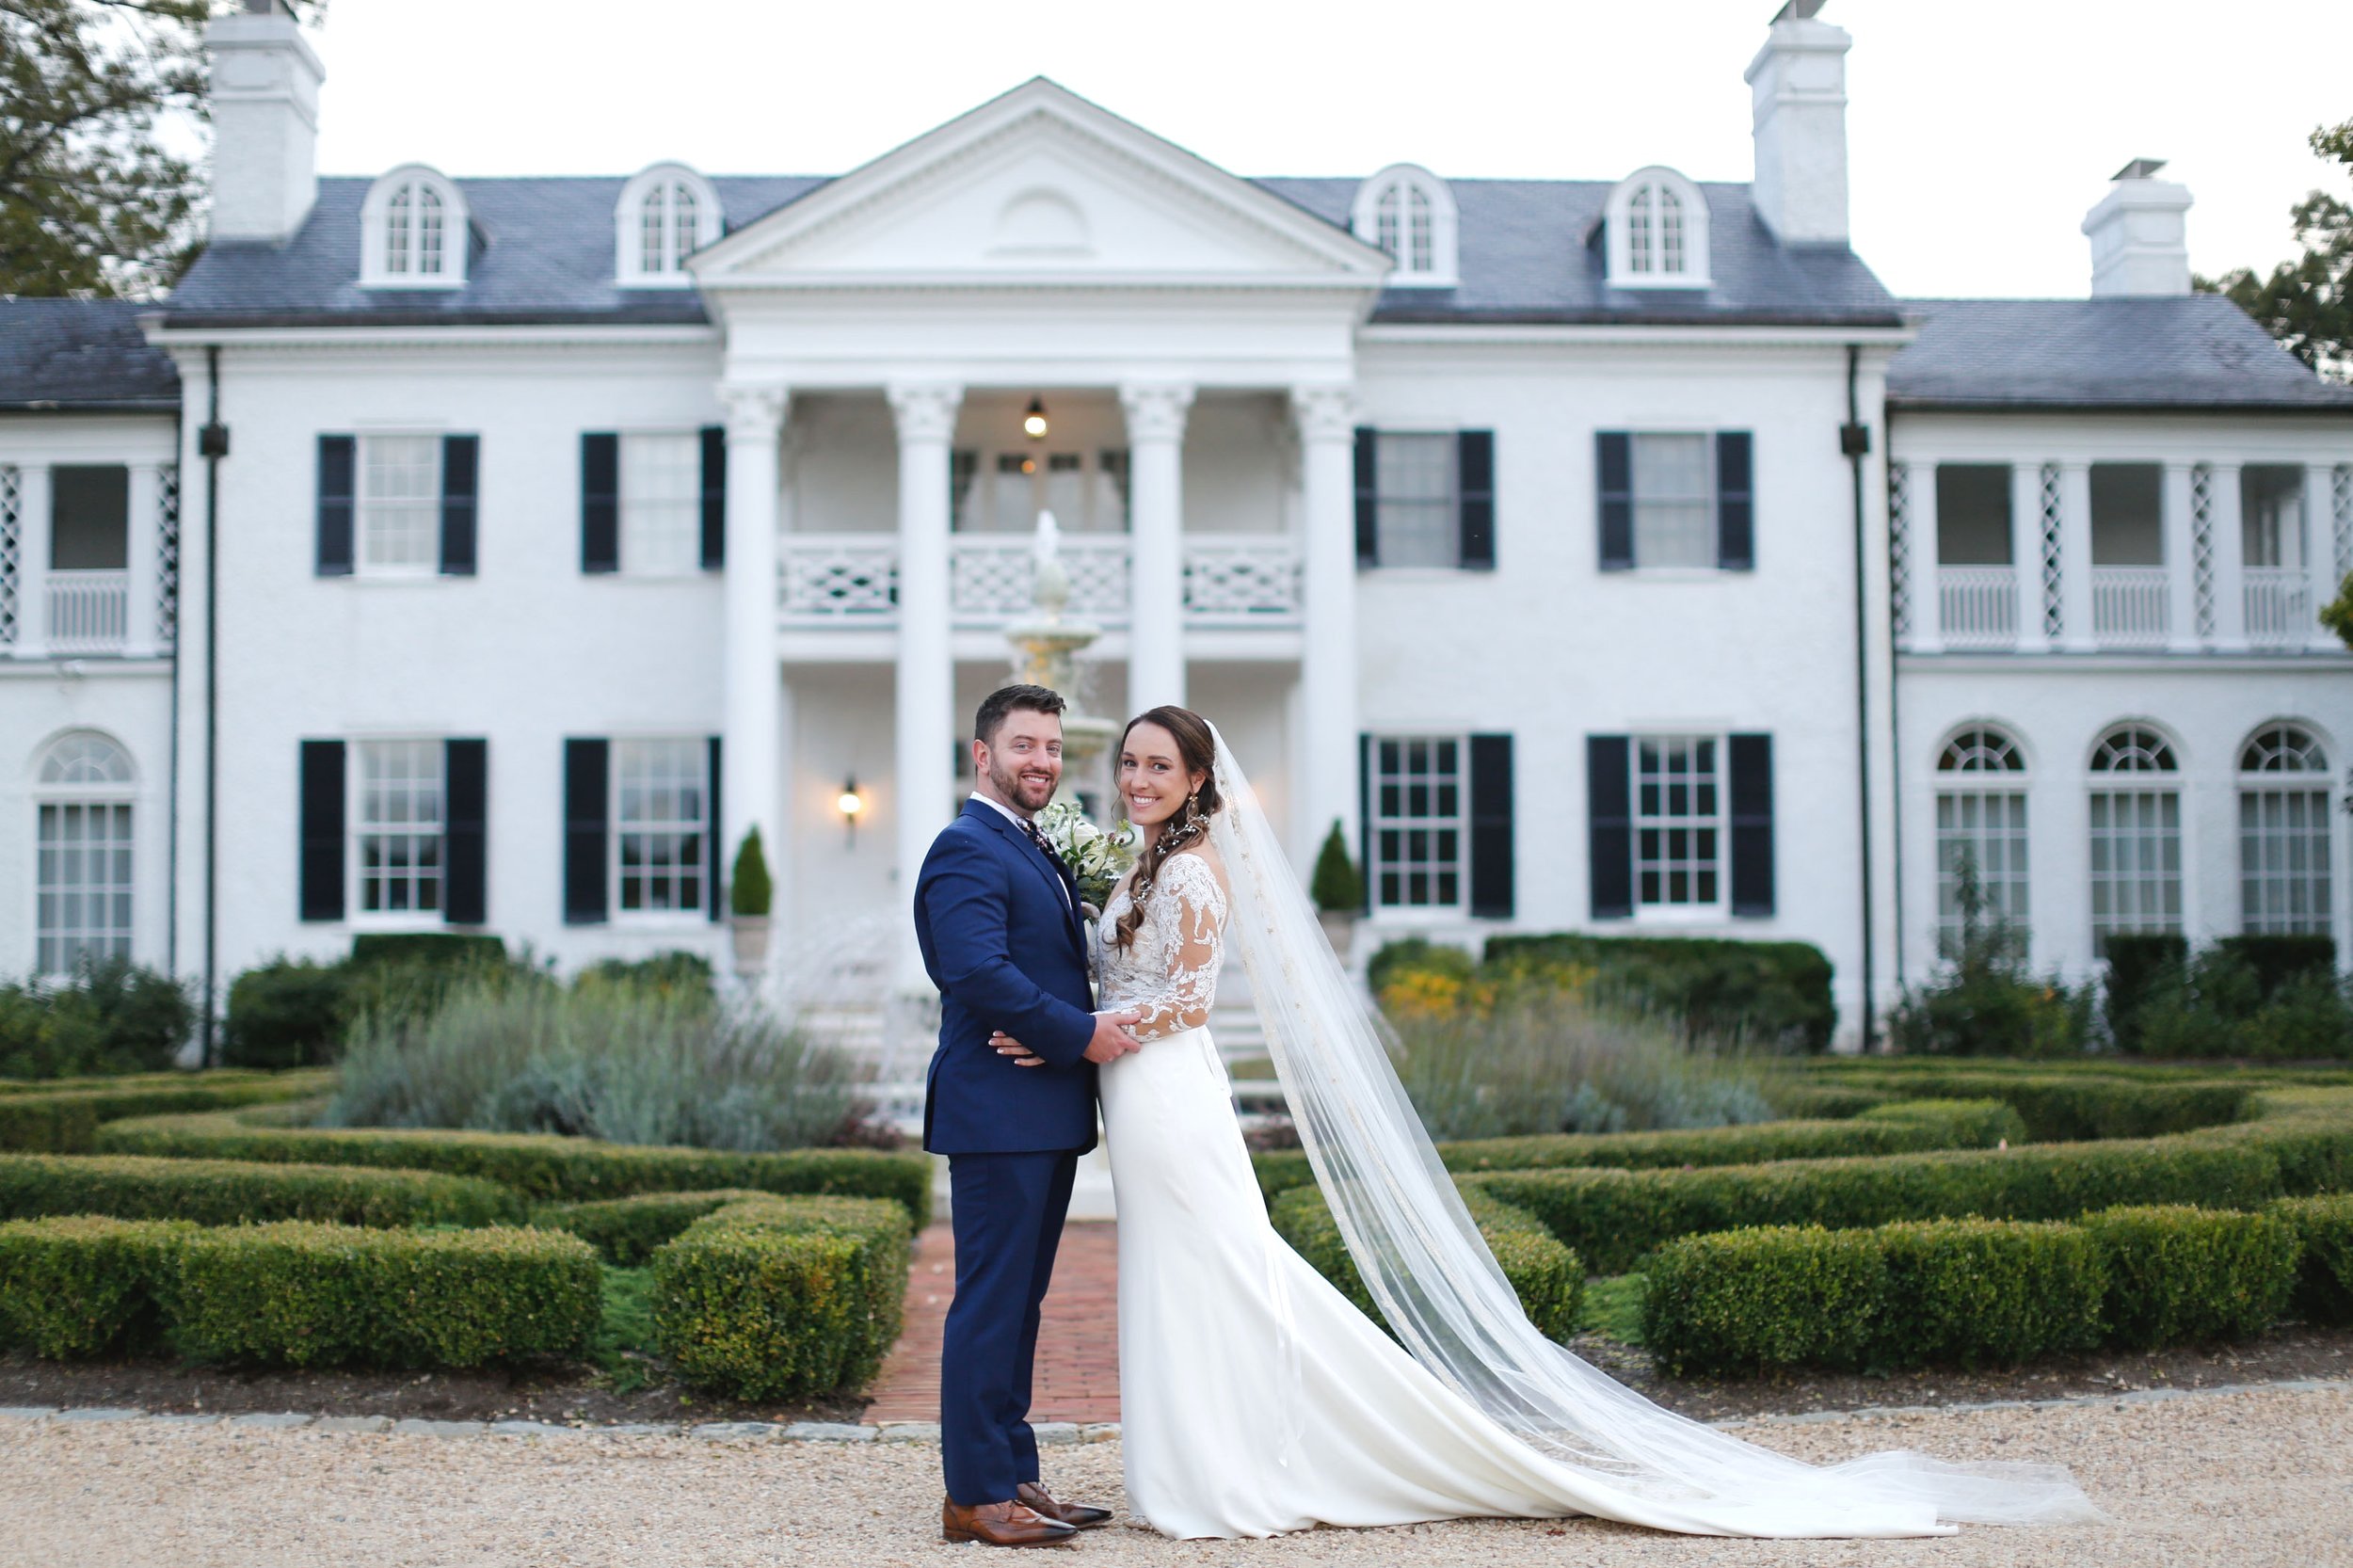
[(168, 554), (836, 579), (2201, 549), (1243, 579), (992, 577), (11, 552), (2130, 606), (2341, 514), (2050, 509), (1900, 549)]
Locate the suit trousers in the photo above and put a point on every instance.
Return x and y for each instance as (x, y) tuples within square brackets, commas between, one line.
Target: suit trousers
[(1007, 1214)]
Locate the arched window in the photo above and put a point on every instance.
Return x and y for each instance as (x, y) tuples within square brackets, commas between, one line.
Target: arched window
[(82, 852), (1409, 212), (665, 214), (2283, 832), (413, 231), (1656, 232), (1980, 831), (2135, 834)]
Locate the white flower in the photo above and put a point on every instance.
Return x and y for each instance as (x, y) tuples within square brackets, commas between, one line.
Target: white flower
[(1096, 858)]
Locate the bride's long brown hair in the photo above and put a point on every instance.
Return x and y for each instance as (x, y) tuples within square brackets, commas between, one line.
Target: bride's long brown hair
[(1197, 748)]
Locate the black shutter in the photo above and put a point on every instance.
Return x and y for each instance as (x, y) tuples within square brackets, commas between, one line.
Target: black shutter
[(586, 764), (1475, 474), (320, 848), (1736, 505), (338, 463), (713, 835), (1368, 496), (1491, 826), (714, 497), (1752, 763), (1613, 463), (599, 503), (1609, 820), (466, 786), (1364, 816), (461, 470)]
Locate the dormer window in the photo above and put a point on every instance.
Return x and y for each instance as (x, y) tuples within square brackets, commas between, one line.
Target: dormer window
[(665, 214), (1408, 212), (413, 231), (1657, 233)]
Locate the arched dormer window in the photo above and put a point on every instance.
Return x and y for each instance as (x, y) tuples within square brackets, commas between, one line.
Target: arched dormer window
[(1409, 212), (413, 231), (1657, 231), (665, 214)]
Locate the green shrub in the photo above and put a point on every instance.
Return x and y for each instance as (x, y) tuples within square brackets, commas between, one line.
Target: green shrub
[(1337, 888), (2265, 997), (1416, 955), (111, 1016), (287, 1013), (305, 1294), (2180, 1274), (1547, 1277), (538, 1165), (628, 1231), (2143, 967), (225, 1192), (777, 1298), (674, 971), (84, 1286), (2277, 958), (1773, 995), (66, 1120), (2324, 1284), (452, 950), (749, 890), (2070, 1107)]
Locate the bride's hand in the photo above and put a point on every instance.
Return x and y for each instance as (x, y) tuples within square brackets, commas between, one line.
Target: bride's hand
[(1006, 1044)]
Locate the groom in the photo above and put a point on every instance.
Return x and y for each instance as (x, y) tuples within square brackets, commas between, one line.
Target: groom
[(996, 915)]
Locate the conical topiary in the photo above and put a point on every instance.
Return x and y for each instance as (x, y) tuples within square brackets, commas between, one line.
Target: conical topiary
[(1338, 889), (749, 891)]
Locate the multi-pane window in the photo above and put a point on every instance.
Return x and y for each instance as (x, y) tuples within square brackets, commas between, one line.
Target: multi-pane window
[(398, 826), (1416, 518), (662, 502), (1419, 822), (1674, 500), (1654, 231), (1087, 492), (666, 227), (2135, 835), (400, 504), (1678, 821), (1403, 227), (1408, 213), (1981, 822), (413, 231), (2284, 833), (82, 852), (661, 813)]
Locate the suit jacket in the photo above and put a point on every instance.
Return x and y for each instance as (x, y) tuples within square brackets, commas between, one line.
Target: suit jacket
[(997, 922)]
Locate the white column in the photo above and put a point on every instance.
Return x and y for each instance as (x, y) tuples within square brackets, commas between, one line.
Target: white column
[(145, 561), (1928, 568), (2229, 558), (2026, 552), (1327, 789), (2181, 582), (1156, 563), (33, 548), (926, 685), (2320, 551), (750, 756), (2075, 629)]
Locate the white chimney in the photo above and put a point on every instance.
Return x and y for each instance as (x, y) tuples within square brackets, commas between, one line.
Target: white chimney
[(2140, 238), (266, 123), (1799, 80)]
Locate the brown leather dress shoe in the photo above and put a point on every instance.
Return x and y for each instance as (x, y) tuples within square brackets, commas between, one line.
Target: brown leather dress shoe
[(1083, 1516), (1000, 1524)]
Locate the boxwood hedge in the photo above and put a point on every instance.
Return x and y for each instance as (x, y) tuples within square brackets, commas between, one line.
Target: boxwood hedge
[(628, 1231), (225, 1192), (1547, 1277), (2179, 1274), (66, 1120), (2324, 1286)]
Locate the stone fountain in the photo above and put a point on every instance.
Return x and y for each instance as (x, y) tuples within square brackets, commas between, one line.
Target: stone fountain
[(1046, 649)]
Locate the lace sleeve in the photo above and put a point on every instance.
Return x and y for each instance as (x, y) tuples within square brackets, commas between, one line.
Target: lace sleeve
[(1188, 912)]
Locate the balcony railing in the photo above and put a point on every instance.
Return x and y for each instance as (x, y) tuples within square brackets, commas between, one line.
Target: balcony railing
[(88, 610), (2278, 607), (1977, 606), (2130, 606), (848, 579)]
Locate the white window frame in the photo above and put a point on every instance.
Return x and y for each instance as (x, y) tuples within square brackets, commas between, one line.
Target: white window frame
[(1394, 191), (368, 513), (1635, 252), (1980, 769), (655, 184), (1406, 865), (1450, 504), (633, 506), (360, 828), (379, 219), (1718, 824), (2148, 754), (622, 827), (64, 780), (2307, 775)]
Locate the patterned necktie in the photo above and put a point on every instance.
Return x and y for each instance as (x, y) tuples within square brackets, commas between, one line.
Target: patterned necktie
[(1039, 837)]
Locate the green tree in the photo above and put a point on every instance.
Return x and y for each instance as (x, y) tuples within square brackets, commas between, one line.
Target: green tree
[(92, 201), (2308, 304)]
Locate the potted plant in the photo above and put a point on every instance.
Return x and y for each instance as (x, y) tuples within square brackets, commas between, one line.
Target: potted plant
[(749, 894), (1338, 891)]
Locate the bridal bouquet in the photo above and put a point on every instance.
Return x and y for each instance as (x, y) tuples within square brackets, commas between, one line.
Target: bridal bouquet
[(1097, 859)]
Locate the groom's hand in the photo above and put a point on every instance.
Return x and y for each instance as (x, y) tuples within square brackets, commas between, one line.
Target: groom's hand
[(1112, 1040)]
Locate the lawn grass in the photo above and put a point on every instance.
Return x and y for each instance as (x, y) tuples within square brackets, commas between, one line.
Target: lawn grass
[(624, 1338), (1613, 1308)]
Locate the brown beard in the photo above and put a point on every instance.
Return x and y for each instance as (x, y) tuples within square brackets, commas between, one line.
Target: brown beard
[(1008, 782)]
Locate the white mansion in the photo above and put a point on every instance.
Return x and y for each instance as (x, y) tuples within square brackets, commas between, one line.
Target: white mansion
[(1611, 556)]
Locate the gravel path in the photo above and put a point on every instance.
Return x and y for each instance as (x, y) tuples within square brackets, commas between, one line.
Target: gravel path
[(2219, 1480)]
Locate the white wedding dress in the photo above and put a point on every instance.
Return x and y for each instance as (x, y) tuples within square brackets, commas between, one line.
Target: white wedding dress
[(1255, 1399)]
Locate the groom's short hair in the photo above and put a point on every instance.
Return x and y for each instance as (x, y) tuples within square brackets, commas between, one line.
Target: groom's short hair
[(1010, 699)]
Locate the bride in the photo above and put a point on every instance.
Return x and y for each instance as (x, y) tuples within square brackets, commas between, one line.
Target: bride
[(1255, 1398)]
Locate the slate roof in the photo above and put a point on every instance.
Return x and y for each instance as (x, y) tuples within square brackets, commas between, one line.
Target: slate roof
[(81, 355), (2179, 351)]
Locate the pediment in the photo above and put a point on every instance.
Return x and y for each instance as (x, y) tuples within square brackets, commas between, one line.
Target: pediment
[(1040, 185)]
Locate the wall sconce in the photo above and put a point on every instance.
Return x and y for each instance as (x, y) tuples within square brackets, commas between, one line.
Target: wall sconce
[(850, 804), (1033, 422)]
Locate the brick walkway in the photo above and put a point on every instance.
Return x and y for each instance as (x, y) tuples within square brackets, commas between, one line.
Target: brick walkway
[(1078, 1349)]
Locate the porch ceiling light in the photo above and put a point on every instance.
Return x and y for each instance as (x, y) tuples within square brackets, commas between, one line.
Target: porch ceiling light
[(1033, 422), (851, 804)]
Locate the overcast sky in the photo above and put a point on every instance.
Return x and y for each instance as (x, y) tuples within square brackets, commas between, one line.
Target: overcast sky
[(1978, 135)]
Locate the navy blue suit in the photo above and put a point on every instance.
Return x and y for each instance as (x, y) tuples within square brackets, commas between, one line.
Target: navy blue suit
[(997, 922)]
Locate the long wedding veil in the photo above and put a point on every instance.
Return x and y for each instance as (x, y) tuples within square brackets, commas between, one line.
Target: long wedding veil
[(1441, 1293)]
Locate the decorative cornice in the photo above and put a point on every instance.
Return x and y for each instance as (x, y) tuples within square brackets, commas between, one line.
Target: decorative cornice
[(755, 412), (1156, 409), (926, 410)]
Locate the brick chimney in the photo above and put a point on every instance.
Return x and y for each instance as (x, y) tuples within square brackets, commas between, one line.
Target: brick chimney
[(266, 123), (2140, 238)]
